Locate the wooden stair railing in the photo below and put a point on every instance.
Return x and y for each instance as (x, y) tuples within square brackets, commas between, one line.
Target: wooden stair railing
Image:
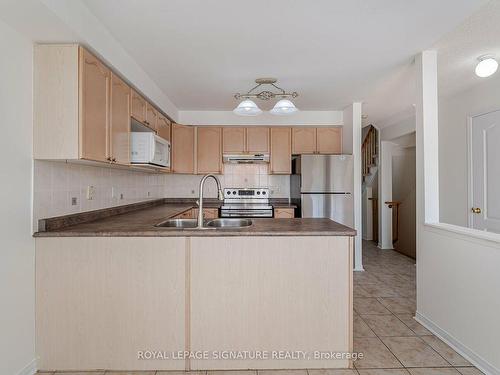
[(369, 150), (395, 219)]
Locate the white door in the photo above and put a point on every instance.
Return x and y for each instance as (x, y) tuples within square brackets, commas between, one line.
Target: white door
[(485, 163)]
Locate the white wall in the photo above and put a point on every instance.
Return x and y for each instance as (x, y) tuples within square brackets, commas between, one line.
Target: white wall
[(229, 118), (56, 183), (453, 157), (64, 21), (458, 292), (17, 272), (458, 287)]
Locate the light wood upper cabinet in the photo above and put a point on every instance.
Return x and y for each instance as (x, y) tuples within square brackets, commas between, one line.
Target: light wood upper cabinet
[(257, 140), (329, 140), (138, 107), (281, 150), (163, 127), (233, 139), (151, 117), (321, 140), (182, 148), (119, 136), (209, 150), (304, 140), (95, 98)]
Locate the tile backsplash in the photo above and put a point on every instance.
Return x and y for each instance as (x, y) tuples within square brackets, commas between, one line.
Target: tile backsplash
[(62, 188)]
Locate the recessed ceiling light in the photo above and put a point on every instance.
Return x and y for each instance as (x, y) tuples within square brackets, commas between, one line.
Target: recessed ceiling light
[(486, 66)]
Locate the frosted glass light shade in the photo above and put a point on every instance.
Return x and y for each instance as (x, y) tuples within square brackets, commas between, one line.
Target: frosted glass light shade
[(486, 67), (284, 107), (247, 108)]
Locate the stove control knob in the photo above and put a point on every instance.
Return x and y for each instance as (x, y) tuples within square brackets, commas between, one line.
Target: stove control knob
[(258, 193), (263, 193), (234, 192)]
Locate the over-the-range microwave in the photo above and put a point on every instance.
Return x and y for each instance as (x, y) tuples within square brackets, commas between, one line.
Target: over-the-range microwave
[(148, 148)]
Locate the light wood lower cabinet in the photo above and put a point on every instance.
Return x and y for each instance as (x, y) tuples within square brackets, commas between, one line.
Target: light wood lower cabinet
[(101, 301), (183, 149), (284, 213), (119, 142), (209, 150), (270, 293), (208, 213), (281, 151)]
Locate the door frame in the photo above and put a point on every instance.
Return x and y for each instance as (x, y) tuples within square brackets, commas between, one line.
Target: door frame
[(470, 190)]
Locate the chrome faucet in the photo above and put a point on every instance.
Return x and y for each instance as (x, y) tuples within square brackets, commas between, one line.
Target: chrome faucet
[(200, 197)]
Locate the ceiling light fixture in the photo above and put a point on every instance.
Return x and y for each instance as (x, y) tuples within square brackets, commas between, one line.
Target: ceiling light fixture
[(486, 66), (247, 108), (283, 107)]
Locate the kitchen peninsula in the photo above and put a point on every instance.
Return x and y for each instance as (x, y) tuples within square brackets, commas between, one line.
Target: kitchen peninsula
[(114, 288)]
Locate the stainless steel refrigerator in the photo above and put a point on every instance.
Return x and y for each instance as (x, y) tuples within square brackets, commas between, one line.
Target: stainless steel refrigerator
[(323, 185)]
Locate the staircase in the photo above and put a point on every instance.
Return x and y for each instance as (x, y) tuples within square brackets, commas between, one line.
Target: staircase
[(369, 154)]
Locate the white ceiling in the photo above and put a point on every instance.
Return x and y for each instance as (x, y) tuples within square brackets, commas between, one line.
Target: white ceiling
[(459, 49), (200, 52)]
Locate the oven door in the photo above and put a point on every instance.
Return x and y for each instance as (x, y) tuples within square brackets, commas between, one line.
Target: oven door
[(246, 213)]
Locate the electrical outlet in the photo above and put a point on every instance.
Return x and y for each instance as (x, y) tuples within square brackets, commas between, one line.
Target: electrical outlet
[(121, 196), (90, 192), (74, 201)]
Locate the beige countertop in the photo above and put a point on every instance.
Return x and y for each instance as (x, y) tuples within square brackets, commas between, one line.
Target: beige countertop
[(141, 223)]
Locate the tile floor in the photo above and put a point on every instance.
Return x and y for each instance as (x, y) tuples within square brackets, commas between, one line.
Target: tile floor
[(393, 343)]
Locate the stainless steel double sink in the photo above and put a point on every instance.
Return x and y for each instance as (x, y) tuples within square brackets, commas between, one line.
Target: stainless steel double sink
[(208, 224)]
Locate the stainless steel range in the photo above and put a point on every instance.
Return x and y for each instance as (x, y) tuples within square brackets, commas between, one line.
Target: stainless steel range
[(246, 203)]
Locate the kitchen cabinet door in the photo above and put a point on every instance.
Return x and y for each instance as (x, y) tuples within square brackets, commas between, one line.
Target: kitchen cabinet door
[(151, 117), (329, 140), (182, 149), (233, 139), (284, 213), (209, 150), (94, 86), (119, 137), (257, 140), (138, 107), (304, 140), (163, 127), (281, 151)]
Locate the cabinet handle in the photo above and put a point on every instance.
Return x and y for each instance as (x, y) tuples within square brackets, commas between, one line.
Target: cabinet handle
[(108, 158), (113, 160), (476, 210)]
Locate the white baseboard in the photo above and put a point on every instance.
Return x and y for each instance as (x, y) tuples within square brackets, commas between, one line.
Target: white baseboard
[(359, 269), (460, 348), (29, 369)]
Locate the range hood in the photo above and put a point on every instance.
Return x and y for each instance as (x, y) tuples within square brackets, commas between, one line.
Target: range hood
[(245, 158)]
